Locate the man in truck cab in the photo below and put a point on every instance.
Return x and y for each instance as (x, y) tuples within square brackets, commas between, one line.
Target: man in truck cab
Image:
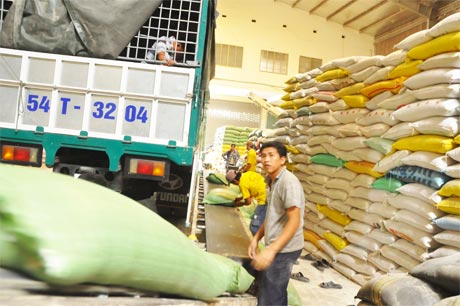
[(165, 49)]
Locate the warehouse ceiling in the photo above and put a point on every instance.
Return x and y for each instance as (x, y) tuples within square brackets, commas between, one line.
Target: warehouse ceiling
[(374, 17)]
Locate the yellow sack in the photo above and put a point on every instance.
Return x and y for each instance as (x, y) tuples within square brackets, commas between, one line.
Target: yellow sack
[(450, 205), (364, 167), (405, 69), (442, 44), (292, 149), (355, 100), (350, 90), (332, 74), (389, 85), (286, 97), (338, 242), (291, 87), (430, 143), (334, 215), (451, 188), (457, 139), (312, 237)]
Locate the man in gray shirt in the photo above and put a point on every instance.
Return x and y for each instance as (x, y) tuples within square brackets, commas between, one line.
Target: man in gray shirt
[(282, 229)]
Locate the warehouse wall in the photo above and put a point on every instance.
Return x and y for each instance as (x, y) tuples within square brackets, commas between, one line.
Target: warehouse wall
[(277, 28)]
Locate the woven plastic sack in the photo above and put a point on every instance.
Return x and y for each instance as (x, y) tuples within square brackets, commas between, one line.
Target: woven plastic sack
[(70, 231)]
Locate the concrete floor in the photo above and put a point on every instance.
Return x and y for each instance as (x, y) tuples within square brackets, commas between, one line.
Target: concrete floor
[(312, 294)]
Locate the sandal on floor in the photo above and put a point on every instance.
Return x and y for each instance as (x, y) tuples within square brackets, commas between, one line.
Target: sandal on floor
[(308, 257), (299, 276), (325, 263), (330, 285), (318, 265)]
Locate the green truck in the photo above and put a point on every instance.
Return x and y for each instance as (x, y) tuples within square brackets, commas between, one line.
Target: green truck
[(131, 124)]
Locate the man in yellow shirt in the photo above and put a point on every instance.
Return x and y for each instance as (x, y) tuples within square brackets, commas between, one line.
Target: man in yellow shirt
[(252, 186), (251, 158)]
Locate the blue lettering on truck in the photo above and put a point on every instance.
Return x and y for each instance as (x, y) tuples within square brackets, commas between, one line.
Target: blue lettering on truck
[(101, 110)]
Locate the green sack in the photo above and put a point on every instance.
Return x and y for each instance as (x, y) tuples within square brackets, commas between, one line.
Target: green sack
[(217, 178), (388, 184), (327, 159), (70, 231)]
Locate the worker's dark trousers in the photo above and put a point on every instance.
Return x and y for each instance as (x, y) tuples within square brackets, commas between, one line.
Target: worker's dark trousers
[(274, 280)]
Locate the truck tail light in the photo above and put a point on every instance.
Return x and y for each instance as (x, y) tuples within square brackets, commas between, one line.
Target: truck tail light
[(20, 154), (156, 169)]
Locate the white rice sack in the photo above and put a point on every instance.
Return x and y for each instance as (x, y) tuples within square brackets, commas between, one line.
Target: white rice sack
[(300, 139), (320, 139), (415, 205), (383, 209), (454, 154), (394, 102), (322, 169), (374, 130), (417, 221), (301, 158), (344, 173), (410, 249), (363, 180), (302, 120), (349, 143), (399, 257), (338, 183), (447, 25), (442, 251), (453, 171), (380, 75), (378, 116), (363, 241), (346, 61), (345, 270), (338, 105), (356, 264), (428, 160), (347, 155), (364, 63), (326, 96), (437, 91), (323, 119), (368, 154), (400, 130), (364, 74), (443, 60), (332, 226), (394, 58), (351, 115), (433, 77), (373, 195), (410, 233), (428, 108), (350, 130), (420, 191), (374, 103), (324, 129), (391, 161), (443, 126), (355, 251), (382, 263), (382, 236), (340, 206), (328, 249), (450, 238), (319, 107), (360, 227), (363, 216), (359, 203), (413, 40)]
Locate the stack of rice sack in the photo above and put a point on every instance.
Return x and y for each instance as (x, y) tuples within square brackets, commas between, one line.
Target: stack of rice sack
[(430, 125), (237, 135), (373, 171)]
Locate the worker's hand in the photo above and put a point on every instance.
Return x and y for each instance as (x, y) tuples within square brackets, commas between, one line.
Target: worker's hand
[(253, 248), (170, 62), (263, 259)]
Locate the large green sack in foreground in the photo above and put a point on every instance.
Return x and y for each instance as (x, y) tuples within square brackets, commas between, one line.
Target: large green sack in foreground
[(70, 231)]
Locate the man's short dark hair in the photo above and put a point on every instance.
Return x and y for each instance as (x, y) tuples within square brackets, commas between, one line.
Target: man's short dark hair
[(280, 147)]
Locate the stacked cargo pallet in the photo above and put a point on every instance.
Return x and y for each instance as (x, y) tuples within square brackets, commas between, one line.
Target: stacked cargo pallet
[(375, 144)]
